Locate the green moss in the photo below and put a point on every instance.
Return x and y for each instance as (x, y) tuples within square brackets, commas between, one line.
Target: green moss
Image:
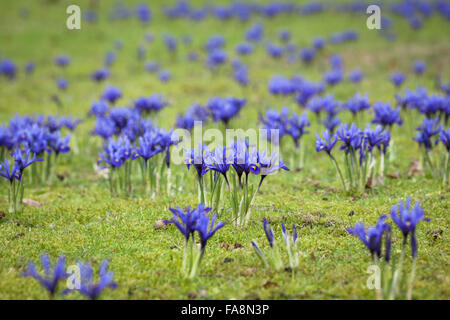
[(80, 220)]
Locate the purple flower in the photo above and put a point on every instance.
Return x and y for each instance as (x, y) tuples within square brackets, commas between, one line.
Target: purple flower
[(406, 219), (333, 77), (58, 144), (186, 220), (373, 238), (281, 85), (419, 67), (144, 13), (149, 145), (275, 51), (171, 42), (326, 143), (307, 55), (164, 76), (375, 137), (444, 138), (205, 226), (196, 158), (8, 173), (216, 57), (255, 33), (244, 48), (428, 129), (351, 137), (270, 165), (215, 42), (62, 84), (111, 94), (269, 232), (151, 66), (355, 76), (29, 67), (88, 287), (8, 68), (357, 103), (23, 159), (318, 43), (62, 61), (240, 75), (284, 35), (397, 78), (385, 115), (224, 109), (51, 278), (100, 75)]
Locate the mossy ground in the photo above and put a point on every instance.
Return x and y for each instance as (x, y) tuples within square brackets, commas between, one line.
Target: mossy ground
[(81, 220)]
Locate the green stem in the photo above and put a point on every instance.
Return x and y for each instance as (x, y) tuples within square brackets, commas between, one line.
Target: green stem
[(411, 279), (333, 160)]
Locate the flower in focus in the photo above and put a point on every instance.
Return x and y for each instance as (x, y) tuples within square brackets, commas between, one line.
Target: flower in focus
[(406, 219)]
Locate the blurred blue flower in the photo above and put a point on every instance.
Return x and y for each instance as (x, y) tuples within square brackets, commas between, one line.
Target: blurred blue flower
[(111, 94), (397, 78), (51, 277), (385, 115)]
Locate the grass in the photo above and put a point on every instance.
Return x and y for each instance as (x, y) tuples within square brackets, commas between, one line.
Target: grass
[(79, 218)]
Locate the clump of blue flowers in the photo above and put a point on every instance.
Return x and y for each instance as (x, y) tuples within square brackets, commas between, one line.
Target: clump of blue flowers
[(359, 153), (51, 277), (213, 171), (293, 126), (192, 222), (429, 134), (391, 282)]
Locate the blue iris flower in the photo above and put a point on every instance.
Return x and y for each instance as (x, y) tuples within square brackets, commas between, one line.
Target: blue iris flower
[(144, 13), (58, 144), (100, 75), (406, 219), (244, 48), (111, 94), (397, 78), (373, 238), (281, 85), (51, 277), (326, 143), (196, 157), (419, 67), (375, 138), (88, 287), (215, 42), (355, 76), (385, 115), (275, 51), (318, 43), (427, 130), (23, 159), (351, 137), (8, 68), (444, 138), (62, 61), (357, 103), (10, 173), (224, 109), (307, 55), (269, 232), (206, 227), (99, 108), (164, 76), (255, 33)]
